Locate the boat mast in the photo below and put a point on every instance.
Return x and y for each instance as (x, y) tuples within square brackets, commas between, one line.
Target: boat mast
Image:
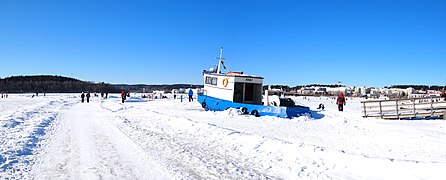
[(220, 61)]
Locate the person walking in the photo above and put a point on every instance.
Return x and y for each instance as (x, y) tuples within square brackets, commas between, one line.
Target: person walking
[(88, 97), (123, 95), (82, 97), (191, 93), (340, 101)]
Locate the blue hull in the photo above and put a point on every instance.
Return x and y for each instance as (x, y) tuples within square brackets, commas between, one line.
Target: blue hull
[(216, 104)]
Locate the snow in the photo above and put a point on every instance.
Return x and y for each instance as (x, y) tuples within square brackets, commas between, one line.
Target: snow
[(57, 137)]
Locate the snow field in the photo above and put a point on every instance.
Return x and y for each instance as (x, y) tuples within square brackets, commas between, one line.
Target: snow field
[(23, 125), (169, 139)]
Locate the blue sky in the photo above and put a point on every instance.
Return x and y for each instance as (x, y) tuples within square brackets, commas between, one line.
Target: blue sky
[(372, 43)]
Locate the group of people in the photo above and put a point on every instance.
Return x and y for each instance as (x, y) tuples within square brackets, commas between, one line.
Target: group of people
[(190, 94), (340, 101), (37, 94), (4, 95), (124, 96), (83, 95), (104, 95)]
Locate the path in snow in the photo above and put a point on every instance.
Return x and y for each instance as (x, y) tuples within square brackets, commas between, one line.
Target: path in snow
[(197, 154), (24, 123), (208, 151), (86, 146)]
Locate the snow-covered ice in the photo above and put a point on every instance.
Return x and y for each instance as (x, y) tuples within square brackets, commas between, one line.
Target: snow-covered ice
[(57, 137)]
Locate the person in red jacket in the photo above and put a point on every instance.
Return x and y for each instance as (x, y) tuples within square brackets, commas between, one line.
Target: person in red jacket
[(340, 101), (123, 95)]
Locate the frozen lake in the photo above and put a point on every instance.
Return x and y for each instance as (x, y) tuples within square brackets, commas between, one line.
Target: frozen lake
[(57, 137)]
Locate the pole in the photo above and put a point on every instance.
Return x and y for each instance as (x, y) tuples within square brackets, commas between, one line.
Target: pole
[(414, 110), (365, 112), (266, 98), (380, 110), (432, 107), (220, 60)]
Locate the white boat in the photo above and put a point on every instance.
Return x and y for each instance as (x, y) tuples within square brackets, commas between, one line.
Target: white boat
[(241, 91)]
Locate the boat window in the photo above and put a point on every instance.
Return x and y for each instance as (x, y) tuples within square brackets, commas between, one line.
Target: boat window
[(238, 92), (214, 81), (249, 92), (258, 93), (208, 80)]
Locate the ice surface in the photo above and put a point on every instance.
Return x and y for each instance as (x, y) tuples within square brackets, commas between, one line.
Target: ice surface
[(57, 137)]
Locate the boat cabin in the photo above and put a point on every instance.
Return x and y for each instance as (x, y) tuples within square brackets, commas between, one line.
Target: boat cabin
[(233, 87)]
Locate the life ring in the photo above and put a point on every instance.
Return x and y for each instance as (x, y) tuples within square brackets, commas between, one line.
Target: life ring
[(225, 82)]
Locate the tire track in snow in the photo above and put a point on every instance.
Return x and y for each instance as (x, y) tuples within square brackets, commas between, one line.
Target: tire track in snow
[(207, 159), (308, 168), (189, 159), (22, 134), (87, 146)]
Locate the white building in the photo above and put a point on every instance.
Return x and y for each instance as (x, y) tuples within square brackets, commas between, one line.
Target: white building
[(337, 90)]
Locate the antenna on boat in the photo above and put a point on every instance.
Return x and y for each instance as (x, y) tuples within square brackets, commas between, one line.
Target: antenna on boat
[(220, 61)]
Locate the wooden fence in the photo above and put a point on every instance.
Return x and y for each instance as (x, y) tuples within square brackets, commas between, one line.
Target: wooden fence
[(405, 108)]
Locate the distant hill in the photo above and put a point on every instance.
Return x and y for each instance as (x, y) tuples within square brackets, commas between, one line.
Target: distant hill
[(51, 84), (60, 84)]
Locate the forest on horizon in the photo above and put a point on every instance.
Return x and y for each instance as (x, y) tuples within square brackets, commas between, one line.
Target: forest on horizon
[(60, 84)]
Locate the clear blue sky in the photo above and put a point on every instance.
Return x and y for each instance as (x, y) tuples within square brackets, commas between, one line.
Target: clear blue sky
[(373, 43)]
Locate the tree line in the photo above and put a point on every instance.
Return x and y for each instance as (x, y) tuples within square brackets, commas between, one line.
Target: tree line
[(52, 84), (60, 84), (419, 87)]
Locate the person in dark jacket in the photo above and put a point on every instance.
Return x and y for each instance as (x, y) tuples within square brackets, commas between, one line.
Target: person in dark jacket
[(191, 93), (82, 97), (321, 106), (88, 97), (340, 101), (123, 96)]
